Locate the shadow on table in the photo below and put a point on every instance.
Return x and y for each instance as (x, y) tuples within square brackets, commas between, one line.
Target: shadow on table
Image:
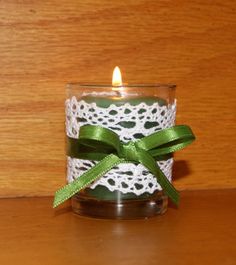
[(62, 209)]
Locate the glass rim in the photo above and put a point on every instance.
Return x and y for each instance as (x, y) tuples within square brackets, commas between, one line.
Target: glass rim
[(126, 85)]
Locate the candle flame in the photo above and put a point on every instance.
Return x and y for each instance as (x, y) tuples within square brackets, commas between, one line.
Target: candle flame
[(116, 77)]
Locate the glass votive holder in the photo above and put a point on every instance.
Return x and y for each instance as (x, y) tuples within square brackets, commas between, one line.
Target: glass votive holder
[(129, 190)]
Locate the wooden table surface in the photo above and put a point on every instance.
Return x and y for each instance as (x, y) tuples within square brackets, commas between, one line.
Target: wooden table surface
[(201, 231)]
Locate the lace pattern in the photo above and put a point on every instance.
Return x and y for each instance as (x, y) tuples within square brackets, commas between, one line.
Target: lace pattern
[(130, 122)]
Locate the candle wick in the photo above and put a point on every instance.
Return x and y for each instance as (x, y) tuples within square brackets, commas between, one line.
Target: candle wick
[(118, 93)]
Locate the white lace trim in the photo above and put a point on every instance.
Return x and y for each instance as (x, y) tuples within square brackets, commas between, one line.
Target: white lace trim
[(143, 119), (125, 177)]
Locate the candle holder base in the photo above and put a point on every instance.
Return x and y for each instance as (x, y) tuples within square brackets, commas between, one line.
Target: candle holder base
[(85, 205)]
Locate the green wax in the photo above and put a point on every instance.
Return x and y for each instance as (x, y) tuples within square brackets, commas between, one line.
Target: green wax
[(105, 102), (101, 192)]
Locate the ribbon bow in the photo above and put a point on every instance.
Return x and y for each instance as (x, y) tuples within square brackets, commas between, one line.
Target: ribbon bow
[(104, 145)]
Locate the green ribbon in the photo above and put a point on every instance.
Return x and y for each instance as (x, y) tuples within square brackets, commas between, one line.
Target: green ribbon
[(104, 145)]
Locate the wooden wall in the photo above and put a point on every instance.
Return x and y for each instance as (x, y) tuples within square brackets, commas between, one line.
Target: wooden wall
[(45, 44)]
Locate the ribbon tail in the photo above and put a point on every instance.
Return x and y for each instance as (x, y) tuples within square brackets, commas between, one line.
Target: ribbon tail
[(100, 169), (149, 162)]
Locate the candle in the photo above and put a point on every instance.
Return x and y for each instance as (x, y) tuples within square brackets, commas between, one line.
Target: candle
[(132, 111), (120, 96)]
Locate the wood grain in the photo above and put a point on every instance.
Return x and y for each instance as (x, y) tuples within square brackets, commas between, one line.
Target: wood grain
[(45, 44), (31, 233)]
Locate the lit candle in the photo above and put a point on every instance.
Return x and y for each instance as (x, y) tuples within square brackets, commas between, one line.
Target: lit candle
[(121, 94), (116, 77), (132, 111)]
